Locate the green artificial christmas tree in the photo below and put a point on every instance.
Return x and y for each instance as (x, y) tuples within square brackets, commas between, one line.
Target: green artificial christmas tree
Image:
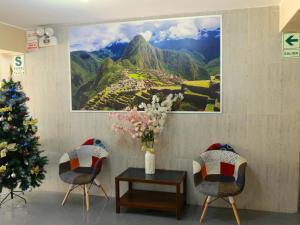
[(21, 163)]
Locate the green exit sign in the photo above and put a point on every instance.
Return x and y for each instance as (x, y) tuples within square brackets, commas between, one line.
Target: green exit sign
[(291, 45)]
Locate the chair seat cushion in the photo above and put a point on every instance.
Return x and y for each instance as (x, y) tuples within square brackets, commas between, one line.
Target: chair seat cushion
[(78, 176), (219, 186)]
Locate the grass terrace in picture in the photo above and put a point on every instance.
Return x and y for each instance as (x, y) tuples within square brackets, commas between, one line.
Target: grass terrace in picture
[(116, 65)]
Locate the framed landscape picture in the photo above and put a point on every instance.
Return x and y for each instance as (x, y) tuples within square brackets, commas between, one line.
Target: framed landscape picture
[(119, 65)]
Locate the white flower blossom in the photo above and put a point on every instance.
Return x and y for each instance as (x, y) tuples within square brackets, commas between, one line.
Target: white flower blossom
[(158, 111)]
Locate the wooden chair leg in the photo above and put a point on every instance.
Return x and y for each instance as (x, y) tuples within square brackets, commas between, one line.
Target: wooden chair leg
[(98, 184), (233, 205), (87, 199), (106, 196), (203, 204), (67, 194), (207, 200)]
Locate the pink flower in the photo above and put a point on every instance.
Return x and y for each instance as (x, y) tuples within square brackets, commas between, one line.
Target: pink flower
[(136, 123), (132, 122)]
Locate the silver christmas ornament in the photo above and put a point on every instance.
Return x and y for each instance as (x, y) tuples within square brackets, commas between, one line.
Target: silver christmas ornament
[(13, 175), (6, 127)]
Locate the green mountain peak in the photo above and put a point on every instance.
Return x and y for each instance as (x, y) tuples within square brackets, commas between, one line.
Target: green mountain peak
[(142, 54), (139, 38)]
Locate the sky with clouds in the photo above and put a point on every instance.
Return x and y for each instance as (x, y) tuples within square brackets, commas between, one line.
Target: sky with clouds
[(95, 37)]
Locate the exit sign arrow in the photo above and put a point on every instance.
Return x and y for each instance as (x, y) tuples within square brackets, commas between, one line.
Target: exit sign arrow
[(290, 40), (291, 45)]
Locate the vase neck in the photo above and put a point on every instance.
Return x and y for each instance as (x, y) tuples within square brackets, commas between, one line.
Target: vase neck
[(148, 144)]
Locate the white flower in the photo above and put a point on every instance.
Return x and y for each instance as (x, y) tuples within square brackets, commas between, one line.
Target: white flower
[(180, 95), (142, 105), (162, 121), (156, 130), (157, 113)]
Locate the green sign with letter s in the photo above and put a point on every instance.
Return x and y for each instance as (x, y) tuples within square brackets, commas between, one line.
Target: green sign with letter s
[(18, 65)]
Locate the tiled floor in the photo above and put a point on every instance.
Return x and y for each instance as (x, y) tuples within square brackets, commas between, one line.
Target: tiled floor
[(45, 209)]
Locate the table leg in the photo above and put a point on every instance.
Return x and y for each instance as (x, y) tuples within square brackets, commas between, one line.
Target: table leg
[(178, 205), (184, 190), (129, 188), (117, 186)]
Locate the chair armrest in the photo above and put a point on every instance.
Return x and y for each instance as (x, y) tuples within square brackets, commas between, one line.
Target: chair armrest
[(98, 166), (198, 163), (64, 163), (240, 172)]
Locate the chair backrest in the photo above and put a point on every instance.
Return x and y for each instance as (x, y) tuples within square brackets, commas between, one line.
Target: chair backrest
[(223, 164), (88, 155), (219, 162), (219, 146)]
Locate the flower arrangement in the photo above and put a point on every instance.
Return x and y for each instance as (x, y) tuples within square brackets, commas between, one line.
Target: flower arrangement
[(147, 123)]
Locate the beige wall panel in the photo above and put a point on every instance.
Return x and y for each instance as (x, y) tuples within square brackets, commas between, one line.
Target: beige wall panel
[(12, 39), (260, 115), (5, 62)]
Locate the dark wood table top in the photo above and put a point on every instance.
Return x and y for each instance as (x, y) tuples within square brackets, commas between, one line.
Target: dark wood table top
[(160, 176)]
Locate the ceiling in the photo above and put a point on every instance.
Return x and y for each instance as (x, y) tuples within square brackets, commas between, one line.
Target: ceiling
[(294, 24), (31, 13)]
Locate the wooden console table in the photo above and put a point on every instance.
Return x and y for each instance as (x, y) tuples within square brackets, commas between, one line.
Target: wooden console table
[(156, 200)]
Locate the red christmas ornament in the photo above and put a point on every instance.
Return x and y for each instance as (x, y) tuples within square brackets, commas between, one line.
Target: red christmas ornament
[(21, 114), (27, 98)]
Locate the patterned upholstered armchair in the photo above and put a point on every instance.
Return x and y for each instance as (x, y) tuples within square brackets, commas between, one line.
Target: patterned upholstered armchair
[(219, 172), (80, 167)]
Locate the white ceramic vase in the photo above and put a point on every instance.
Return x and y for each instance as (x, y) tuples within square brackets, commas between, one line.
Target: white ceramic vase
[(149, 163)]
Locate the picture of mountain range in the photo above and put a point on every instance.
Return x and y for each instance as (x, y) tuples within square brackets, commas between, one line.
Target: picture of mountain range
[(117, 65)]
